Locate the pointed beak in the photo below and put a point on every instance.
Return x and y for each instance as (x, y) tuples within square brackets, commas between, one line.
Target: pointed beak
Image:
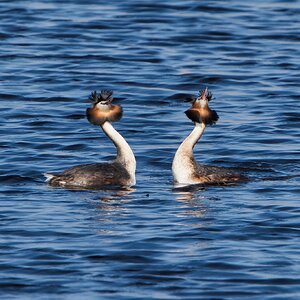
[(204, 94)]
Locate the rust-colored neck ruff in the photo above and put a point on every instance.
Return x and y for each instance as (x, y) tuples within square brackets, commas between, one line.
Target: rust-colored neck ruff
[(100, 113), (202, 114), (200, 111)]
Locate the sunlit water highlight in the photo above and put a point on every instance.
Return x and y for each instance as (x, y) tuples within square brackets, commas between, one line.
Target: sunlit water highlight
[(154, 241)]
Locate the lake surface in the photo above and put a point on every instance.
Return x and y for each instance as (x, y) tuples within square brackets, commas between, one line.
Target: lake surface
[(154, 241)]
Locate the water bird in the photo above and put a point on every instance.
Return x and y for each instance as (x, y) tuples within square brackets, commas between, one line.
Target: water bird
[(120, 171), (185, 169)]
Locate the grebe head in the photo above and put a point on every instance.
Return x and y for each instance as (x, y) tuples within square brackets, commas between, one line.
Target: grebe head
[(102, 110), (200, 111), (204, 97)]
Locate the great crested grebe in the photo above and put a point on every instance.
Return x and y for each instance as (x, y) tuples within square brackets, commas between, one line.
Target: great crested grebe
[(119, 172), (185, 169)]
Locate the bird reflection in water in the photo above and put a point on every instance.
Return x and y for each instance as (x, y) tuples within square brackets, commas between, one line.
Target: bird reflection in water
[(109, 204), (193, 201)]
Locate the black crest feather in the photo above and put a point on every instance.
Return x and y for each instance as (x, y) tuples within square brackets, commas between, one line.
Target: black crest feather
[(104, 95), (205, 93), (93, 97)]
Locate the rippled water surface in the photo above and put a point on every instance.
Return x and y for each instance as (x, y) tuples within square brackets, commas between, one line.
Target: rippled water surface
[(151, 242)]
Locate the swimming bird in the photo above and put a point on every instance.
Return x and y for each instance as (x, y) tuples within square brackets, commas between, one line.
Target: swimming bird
[(185, 169), (120, 171)]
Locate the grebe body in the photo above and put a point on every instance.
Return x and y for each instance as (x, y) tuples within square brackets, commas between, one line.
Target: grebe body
[(92, 176), (185, 169), (119, 172)]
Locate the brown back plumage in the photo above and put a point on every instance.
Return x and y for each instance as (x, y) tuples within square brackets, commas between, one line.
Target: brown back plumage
[(202, 114), (92, 176), (102, 110)]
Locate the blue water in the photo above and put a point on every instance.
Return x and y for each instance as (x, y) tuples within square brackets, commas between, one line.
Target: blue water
[(153, 242)]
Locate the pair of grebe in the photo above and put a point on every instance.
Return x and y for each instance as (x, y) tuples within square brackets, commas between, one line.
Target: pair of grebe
[(121, 171)]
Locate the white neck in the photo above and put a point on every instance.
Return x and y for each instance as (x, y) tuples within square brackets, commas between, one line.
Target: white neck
[(183, 166), (124, 153)]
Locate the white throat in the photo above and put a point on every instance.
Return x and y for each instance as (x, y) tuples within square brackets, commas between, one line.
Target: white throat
[(203, 103), (183, 166), (124, 153)]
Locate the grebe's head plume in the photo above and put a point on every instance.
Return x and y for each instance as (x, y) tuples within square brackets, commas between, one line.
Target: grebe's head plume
[(200, 111), (105, 97), (102, 110), (205, 95)]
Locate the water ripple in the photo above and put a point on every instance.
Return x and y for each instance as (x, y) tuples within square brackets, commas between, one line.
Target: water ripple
[(154, 240)]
